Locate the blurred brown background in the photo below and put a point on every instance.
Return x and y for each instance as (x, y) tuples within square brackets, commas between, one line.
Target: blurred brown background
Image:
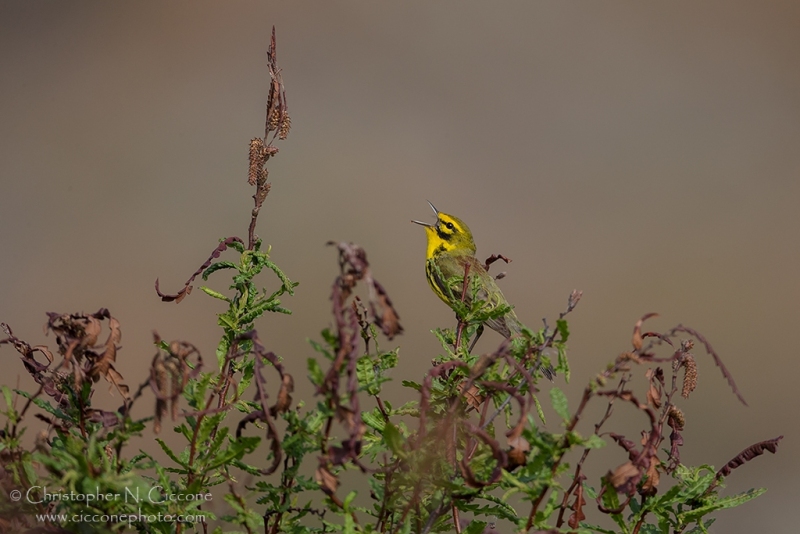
[(644, 154)]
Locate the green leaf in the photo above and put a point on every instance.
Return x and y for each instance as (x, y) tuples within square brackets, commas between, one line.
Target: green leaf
[(169, 453), (235, 450), (388, 360), (727, 502), (287, 284), (258, 310), (222, 349), (227, 322), (597, 528), (374, 420), (315, 371), (594, 442), (216, 294), (238, 247), (475, 527), (539, 410), (446, 337), (44, 405), (7, 396), (412, 385), (563, 329), (214, 267), (348, 499), (560, 404), (393, 439), (349, 525), (611, 501), (562, 361), (365, 371)]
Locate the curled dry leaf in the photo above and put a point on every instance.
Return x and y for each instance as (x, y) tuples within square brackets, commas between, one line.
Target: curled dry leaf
[(500, 457), (655, 389), (472, 396), (354, 268), (625, 477), (487, 360), (628, 445), (187, 288), (637, 331), (517, 452), (284, 401), (277, 111), (108, 419), (493, 258), (577, 507), (650, 485), (327, 481), (169, 374), (49, 381), (77, 334), (654, 396), (748, 454), (266, 413), (103, 365), (382, 309)]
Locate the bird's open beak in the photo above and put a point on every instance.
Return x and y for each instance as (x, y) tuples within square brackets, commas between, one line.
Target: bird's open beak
[(434, 211)]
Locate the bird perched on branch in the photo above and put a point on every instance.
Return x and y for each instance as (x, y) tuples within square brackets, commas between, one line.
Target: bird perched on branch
[(451, 249)]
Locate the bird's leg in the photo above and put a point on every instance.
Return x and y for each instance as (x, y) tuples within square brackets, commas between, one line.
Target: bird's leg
[(478, 334)]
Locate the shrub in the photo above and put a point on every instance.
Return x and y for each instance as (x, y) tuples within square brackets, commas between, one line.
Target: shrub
[(467, 452)]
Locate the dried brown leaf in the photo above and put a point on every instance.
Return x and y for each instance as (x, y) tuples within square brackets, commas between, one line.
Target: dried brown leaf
[(748, 454), (577, 506), (518, 452), (625, 477), (472, 395), (327, 481), (493, 258), (187, 288), (637, 331), (284, 401), (654, 391), (383, 311), (103, 366), (650, 485), (500, 457)]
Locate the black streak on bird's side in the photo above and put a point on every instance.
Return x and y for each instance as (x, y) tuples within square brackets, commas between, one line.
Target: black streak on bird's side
[(433, 275)]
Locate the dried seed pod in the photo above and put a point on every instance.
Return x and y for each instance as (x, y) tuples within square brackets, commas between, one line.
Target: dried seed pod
[(690, 378)]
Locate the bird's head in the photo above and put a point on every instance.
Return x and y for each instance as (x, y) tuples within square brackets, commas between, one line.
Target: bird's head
[(447, 234)]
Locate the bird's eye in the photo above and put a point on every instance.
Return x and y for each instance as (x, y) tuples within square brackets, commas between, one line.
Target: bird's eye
[(449, 225)]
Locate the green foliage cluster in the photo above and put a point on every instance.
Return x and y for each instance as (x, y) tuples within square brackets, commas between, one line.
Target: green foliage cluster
[(430, 462)]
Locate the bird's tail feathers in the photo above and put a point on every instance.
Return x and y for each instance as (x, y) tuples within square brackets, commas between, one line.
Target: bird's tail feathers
[(514, 328)]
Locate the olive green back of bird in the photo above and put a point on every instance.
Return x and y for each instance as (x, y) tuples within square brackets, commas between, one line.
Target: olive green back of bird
[(443, 267)]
